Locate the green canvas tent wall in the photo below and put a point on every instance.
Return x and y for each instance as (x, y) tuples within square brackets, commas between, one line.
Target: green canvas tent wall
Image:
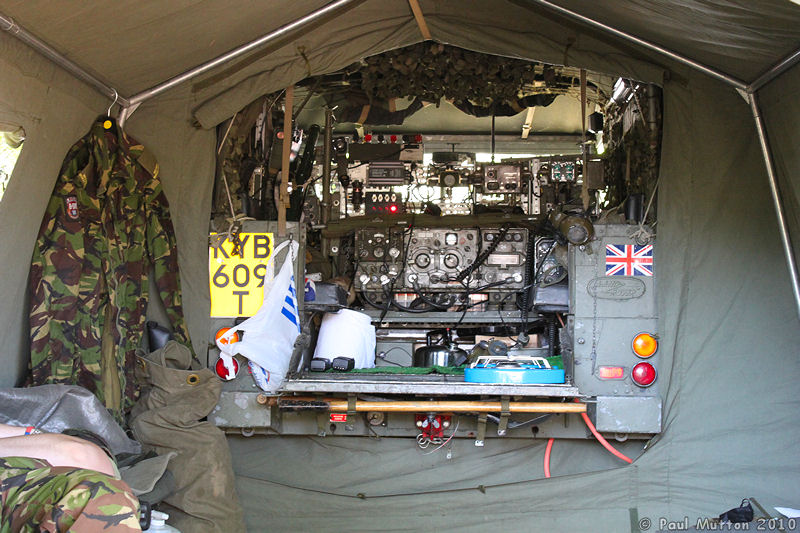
[(729, 321)]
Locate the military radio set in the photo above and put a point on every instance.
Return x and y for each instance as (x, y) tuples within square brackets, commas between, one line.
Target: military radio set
[(440, 259), (490, 274), (390, 176)]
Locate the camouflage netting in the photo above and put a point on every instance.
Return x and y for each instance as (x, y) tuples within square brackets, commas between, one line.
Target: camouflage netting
[(476, 83)]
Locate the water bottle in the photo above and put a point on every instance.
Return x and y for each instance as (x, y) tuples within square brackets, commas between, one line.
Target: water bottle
[(158, 523)]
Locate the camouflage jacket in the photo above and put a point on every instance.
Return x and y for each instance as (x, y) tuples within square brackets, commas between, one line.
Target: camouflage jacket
[(35, 496), (106, 225)]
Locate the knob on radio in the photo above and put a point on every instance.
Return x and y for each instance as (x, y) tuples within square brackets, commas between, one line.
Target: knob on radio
[(422, 260), (451, 260)]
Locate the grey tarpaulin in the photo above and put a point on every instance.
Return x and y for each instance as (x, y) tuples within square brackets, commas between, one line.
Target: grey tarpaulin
[(730, 362), (54, 408)]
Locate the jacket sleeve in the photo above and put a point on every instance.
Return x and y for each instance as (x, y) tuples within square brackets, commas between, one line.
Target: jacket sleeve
[(58, 329), (163, 255)]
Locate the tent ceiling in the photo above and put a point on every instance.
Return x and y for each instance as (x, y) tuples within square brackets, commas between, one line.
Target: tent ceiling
[(135, 44), (738, 37)]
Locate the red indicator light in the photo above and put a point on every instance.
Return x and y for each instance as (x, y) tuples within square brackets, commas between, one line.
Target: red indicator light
[(393, 138), (418, 138), (643, 374), (368, 137), (393, 208), (611, 372), (279, 135)]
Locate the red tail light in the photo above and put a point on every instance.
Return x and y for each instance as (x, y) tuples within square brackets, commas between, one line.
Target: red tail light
[(222, 372), (643, 374)]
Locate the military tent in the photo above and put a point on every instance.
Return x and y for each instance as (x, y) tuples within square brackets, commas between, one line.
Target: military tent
[(728, 301)]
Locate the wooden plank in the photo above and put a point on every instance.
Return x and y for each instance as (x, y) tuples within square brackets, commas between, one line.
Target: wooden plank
[(438, 406), (423, 26)]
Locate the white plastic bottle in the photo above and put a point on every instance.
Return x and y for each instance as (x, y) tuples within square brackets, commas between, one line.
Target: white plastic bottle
[(158, 523)]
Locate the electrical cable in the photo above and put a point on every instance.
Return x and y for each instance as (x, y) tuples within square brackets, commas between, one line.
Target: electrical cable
[(366, 299), (601, 439), (405, 309), (481, 258), (407, 245), (551, 337), (526, 295), (390, 350), (517, 425), (445, 442), (534, 283), (427, 300), (547, 457)]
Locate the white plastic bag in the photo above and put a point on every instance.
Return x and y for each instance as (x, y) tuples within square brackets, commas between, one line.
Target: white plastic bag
[(269, 335)]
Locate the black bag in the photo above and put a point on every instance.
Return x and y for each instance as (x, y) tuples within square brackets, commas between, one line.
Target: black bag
[(743, 513)]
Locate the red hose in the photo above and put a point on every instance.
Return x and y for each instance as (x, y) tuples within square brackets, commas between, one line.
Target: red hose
[(603, 441), (547, 457)]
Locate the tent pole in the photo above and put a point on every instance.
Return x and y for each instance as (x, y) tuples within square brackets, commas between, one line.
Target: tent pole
[(418, 16), (8, 24), (776, 70), (286, 151), (739, 84), (776, 198), (236, 52)]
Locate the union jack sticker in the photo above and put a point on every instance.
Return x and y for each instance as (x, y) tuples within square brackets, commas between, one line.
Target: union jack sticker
[(629, 260)]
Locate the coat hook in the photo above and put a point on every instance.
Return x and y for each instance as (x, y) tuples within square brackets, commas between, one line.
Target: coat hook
[(116, 97)]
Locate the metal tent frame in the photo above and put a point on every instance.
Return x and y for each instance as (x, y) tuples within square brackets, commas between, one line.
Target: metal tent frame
[(748, 90)]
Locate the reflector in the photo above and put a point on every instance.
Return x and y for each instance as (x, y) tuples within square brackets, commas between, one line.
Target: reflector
[(223, 331), (611, 372), (644, 345)]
